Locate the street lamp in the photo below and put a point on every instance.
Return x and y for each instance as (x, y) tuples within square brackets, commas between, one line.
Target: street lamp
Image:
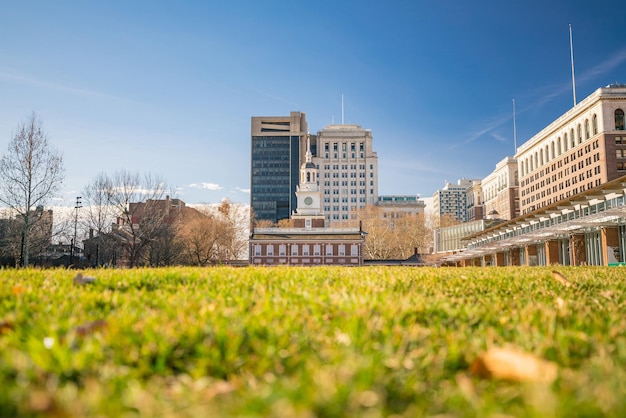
[(78, 206)]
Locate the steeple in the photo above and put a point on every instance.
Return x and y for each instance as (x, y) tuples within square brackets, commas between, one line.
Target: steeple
[(308, 171), (309, 213)]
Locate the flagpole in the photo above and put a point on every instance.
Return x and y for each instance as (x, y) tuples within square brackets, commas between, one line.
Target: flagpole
[(571, 49), (342, 108), (514, 130)]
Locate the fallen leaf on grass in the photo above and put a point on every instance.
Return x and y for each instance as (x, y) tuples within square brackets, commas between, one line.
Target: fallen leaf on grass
[(508, 364), (561, 279), (560, 303), (219, 388), (90, 327), (6, 326), (80, 279)]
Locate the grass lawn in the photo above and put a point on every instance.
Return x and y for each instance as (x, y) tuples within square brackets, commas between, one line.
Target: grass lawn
[(312, 342)]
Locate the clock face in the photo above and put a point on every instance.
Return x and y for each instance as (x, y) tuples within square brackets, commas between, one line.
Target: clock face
[(308, 200)]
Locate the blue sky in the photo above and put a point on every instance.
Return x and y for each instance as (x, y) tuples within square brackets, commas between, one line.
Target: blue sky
[(169, 87)]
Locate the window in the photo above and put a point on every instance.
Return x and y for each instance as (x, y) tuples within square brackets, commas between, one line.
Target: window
[(619, 120), (594, 124), (329, 249), (270, 249), (316, 250), (354, 250), (282, 249), (586, 128), (342, 250), (294, 249), (305, 249)]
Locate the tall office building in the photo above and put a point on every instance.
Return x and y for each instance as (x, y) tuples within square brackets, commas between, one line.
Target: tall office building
[(582, 149), (278, 144), (500, 190), (348, 170), (452, 200)]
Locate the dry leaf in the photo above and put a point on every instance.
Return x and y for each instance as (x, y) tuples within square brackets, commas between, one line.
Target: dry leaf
[(6, 326), (560, 303), (80, 279), (90, 327), (561, 279), (507, 364)]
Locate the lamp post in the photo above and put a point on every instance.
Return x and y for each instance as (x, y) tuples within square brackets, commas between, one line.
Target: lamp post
[(78, 206)]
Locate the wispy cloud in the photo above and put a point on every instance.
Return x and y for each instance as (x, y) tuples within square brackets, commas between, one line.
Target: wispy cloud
[(604, 67), (239, 189), (206, 186), (499, 137), (33, 81), (547, 94), (487, 128)]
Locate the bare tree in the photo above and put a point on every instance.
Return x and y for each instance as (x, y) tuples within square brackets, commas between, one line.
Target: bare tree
[(395, 236), (199, 234), (235, 237), (30, 173), (211, 235), (98, 213), (141, 213)]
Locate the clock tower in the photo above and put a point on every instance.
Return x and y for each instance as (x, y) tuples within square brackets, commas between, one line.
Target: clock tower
[(309, 213)]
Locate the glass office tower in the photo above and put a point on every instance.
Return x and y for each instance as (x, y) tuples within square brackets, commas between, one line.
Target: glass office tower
[(276, 145)]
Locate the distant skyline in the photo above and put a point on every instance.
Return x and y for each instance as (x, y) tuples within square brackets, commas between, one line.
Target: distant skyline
[(170, 87)]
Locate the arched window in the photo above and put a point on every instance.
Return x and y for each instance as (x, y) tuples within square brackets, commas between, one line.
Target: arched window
[(552, 150), (565, 142), (540, 157), (526, 168), (579, 131), (558, 146), (594, 124), (619, 120), (572, 139)]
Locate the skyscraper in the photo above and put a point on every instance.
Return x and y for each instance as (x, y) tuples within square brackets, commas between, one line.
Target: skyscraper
[(348, 170), (452, 200), (276, 145)]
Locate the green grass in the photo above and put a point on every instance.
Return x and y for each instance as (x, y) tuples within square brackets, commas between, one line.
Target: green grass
[(327, 342)]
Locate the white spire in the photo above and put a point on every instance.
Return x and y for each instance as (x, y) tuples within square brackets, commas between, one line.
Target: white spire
[(308, 156)]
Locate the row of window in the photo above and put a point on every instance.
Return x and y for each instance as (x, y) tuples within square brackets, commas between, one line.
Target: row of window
[(345, 167), (536, 160), (565, 195), (316, 249), (345, 191), (344, 146), (559, 164), (343, 199)]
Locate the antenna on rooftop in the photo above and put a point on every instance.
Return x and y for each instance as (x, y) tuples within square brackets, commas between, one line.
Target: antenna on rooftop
[(342, 108), (571, 51)]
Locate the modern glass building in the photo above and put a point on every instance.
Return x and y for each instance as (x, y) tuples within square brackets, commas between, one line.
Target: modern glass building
[(276, 145)]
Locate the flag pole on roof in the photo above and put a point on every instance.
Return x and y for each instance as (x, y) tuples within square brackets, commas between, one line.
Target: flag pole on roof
[(571, 52)]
